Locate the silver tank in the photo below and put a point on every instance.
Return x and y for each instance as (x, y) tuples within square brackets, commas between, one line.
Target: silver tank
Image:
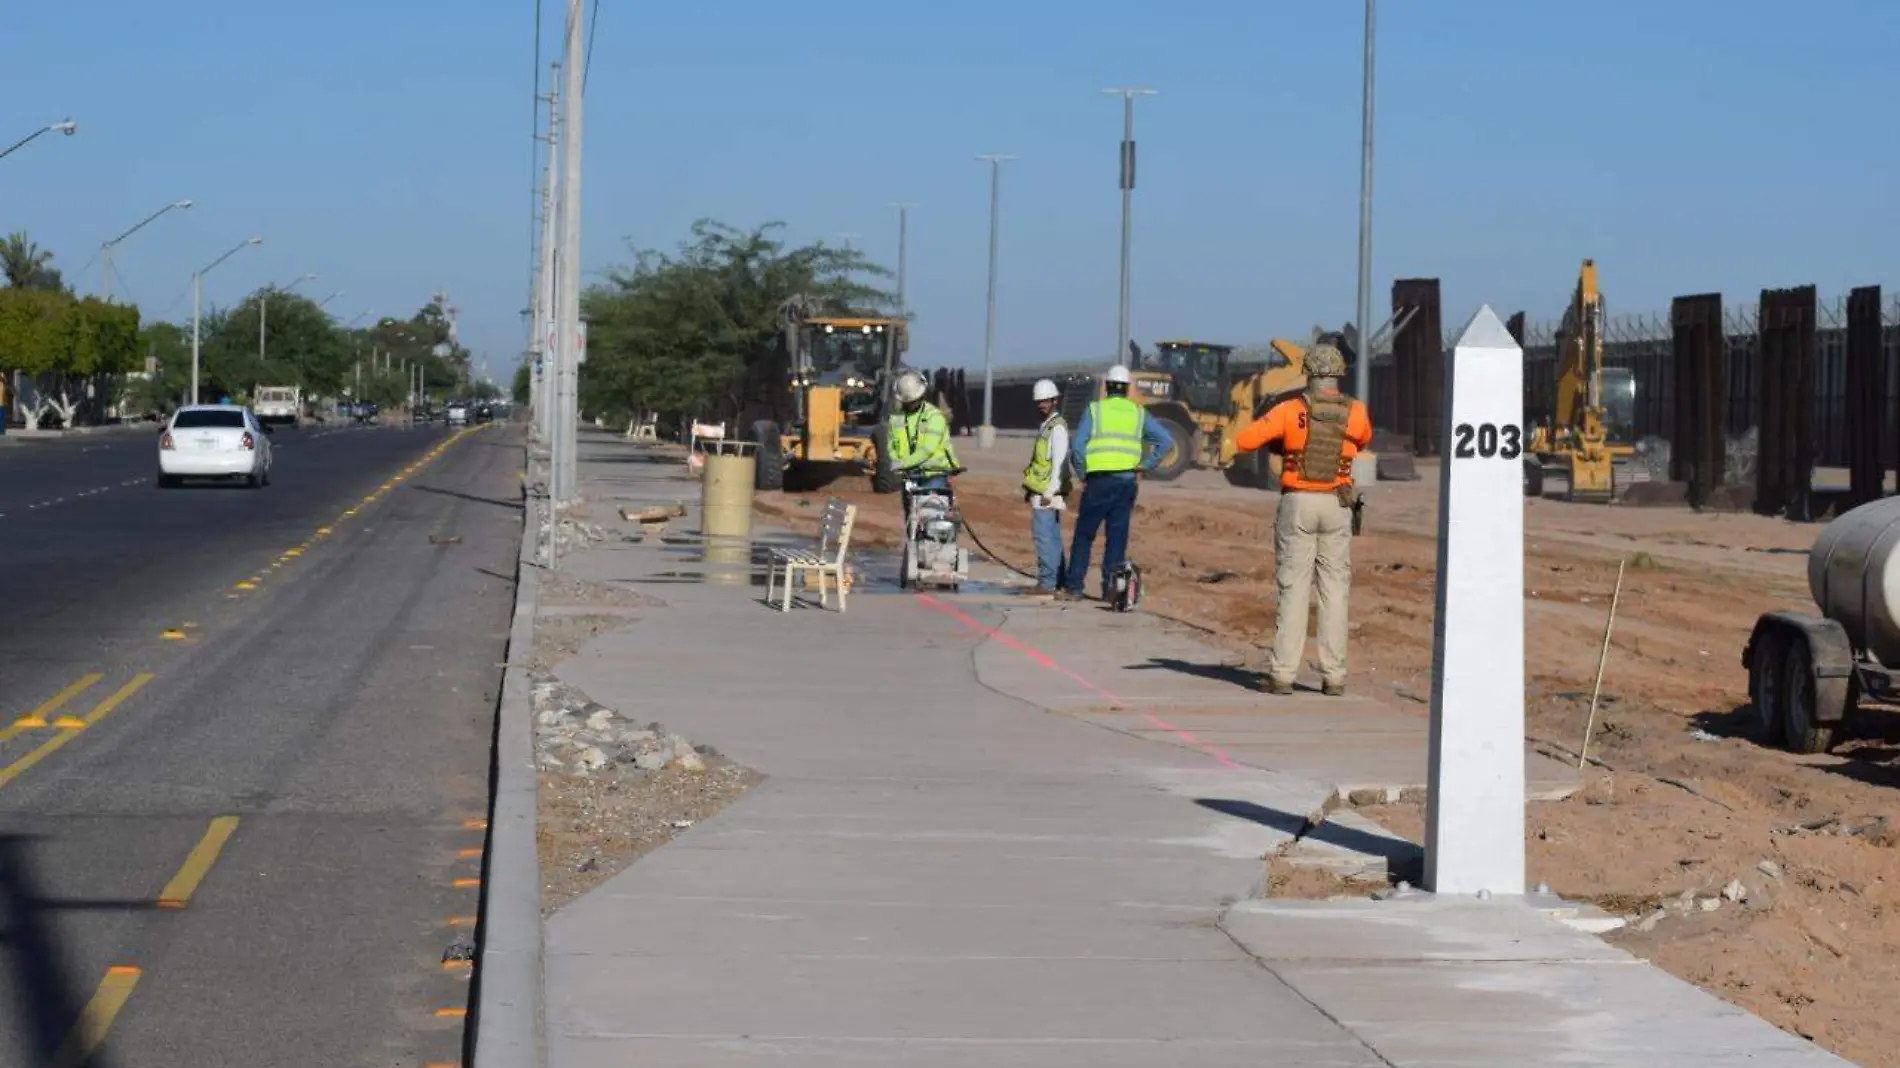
[(1854, 575)]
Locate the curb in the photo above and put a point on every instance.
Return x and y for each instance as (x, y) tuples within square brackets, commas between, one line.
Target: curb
[(504, 1028)]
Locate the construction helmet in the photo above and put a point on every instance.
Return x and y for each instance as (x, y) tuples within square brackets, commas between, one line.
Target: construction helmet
[(1118, 373), (1325, 361), (1044, 390), (910, 387)]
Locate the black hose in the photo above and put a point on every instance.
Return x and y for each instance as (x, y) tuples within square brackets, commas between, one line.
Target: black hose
[(994, 555)]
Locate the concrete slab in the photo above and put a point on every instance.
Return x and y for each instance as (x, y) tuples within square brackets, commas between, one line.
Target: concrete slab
[(1507, 985)]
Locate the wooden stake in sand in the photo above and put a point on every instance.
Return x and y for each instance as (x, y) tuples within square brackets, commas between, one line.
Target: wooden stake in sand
[(1602, 659)]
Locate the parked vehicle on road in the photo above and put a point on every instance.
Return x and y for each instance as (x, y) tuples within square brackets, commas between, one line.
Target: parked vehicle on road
[(214, 441), (278, 405), (458, 414)]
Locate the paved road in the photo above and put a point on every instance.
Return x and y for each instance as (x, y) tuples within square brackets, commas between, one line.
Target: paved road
[(251, 823)]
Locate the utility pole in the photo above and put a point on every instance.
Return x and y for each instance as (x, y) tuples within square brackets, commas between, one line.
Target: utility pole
[(986, 434), (1128, 213), (542, 327), (565, 476), (1362, 372), (903, 255)]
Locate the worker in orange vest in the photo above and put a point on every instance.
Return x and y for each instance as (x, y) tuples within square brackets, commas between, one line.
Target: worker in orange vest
[(1317, 433)]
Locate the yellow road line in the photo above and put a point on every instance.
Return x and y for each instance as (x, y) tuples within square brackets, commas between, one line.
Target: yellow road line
[(89, 1031), (57, 742), (177, 893), (37, 717)]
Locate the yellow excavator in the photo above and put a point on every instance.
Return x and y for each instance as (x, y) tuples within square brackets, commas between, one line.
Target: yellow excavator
[(1591, 409)]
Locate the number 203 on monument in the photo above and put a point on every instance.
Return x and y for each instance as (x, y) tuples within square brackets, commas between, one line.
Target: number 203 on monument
[(1487, 441)]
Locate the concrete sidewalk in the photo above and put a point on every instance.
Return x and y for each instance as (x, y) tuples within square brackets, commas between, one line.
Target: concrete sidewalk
[(1000, 835)]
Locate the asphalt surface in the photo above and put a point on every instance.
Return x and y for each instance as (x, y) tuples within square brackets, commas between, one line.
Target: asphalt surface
[(259, 828)]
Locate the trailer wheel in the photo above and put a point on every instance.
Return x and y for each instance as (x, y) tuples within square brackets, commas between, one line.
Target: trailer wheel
[(883, 478), (1180, 454), (1765, 691), (1803, 731)]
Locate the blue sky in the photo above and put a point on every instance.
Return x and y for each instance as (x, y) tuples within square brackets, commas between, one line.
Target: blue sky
[(385, 147)]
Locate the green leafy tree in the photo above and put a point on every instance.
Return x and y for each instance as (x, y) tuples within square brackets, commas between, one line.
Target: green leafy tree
[(671, 333), (26, 265), (73, 351), (523, 386)]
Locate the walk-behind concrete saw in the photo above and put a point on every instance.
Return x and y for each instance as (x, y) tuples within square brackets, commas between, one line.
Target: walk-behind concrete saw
[(932, 557)]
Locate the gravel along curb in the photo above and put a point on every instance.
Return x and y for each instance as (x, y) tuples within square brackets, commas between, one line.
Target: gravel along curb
[(504, 1024)]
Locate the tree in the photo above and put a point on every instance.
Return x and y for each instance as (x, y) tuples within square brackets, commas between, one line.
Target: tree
[(71, 350), (523, 386), (28, 266), (671, 333)]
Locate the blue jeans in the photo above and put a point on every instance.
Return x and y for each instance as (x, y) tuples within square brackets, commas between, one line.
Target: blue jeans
[(1045, 526), (1106, 499)]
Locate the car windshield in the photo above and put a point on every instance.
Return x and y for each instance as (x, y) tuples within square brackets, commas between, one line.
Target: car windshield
[(199, 420)]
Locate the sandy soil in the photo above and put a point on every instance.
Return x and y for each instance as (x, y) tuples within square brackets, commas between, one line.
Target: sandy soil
[(1682, 801)]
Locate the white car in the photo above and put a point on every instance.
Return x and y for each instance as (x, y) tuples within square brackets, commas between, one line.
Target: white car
[(214, 441), (458, 414)]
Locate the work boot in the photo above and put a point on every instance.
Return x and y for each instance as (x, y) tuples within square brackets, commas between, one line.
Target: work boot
[(1333, 689), (1279, 687), (1066, 594)]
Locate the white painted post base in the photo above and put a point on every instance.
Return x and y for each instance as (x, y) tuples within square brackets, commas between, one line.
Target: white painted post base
[(1474, 828), (986, 437), (1365, 470)]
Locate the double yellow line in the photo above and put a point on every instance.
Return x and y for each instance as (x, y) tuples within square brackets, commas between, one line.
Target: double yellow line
[(69, 726), (88, 1032)]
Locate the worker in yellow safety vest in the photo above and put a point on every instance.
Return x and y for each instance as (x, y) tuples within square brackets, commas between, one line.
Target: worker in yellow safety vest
[(1045, 487), (1108, 453), (919, 438)]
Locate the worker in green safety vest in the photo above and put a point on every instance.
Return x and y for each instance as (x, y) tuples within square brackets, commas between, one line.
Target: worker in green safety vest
[(919, 438), (1108, 453), (1045, 485)]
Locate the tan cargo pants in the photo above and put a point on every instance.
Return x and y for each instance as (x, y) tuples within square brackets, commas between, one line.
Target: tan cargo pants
[(1312, 537)]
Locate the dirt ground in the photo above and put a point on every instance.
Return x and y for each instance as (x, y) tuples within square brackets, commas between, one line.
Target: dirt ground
[(1683, 802)]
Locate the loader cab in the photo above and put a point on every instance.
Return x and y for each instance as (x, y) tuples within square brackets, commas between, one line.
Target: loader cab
[(1197, 372), (858, 357)]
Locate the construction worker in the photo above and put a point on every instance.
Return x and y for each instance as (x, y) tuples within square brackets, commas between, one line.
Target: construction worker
[(1107, 453), (1046, 484), (1317, 433), (919, 438)]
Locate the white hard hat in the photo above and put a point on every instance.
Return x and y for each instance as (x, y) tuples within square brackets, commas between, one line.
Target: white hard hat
[(1118, 373), (910, 387), (1044, 390)]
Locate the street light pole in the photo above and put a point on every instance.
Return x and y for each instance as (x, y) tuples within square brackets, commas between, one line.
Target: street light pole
[(197, 307), (986, 434), (1128, 213), (543, 326), (569, 339), (1362, 373), (67, 127), (903, 255), (330, 298), (107, 250)]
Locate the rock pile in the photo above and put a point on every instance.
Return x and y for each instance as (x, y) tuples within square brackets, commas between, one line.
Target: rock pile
[(577, 736)]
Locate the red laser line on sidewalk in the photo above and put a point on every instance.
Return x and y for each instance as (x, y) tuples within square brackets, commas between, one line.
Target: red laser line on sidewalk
[(1044, 660)]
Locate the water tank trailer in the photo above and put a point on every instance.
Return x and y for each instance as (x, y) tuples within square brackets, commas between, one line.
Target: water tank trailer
[(1806, 675)]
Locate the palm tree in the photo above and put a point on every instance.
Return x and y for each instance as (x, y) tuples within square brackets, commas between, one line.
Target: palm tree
[(26, 265)]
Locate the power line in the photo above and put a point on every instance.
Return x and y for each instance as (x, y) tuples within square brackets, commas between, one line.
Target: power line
[(587, 65)]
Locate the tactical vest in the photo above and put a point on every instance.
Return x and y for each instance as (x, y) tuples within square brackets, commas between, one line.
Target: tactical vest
[(1036, 475), (1115, 426), (1324, 457)]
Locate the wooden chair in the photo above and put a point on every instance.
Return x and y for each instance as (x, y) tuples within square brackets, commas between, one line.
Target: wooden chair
[(826, 561)]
